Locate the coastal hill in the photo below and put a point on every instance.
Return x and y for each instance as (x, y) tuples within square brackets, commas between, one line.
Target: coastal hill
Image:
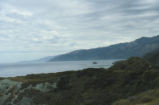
[(138, 48), (128, 82), (153, 57)]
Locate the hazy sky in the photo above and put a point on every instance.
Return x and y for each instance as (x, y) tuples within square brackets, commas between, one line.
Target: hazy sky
[(31, 29)]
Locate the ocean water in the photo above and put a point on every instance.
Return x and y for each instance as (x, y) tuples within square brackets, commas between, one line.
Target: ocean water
[(22, 69)]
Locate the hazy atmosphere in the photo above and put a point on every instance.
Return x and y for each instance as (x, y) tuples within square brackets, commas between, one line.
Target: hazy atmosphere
[(31, 29), (79, 52)]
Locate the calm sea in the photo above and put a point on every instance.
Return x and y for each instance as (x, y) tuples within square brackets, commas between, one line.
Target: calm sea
[(21, 69)]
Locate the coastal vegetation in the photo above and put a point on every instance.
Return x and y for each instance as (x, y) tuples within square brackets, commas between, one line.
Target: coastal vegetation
[(128, 82)]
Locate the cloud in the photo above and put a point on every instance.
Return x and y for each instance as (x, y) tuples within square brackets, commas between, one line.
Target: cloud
[(36, 28)]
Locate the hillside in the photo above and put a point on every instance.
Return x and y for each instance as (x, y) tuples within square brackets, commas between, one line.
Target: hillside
[(138, 47), (153, 57), (126, 82)]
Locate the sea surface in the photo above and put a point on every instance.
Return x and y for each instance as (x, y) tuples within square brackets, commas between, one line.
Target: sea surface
[(21, 69)]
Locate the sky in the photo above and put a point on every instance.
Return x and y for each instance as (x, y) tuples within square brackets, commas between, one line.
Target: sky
[(32, 29)]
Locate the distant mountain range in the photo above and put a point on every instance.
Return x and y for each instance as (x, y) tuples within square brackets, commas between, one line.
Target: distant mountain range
[(138, 48), (45, 59)]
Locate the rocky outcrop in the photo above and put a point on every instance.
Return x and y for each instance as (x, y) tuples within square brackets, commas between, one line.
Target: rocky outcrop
[(13, 93)]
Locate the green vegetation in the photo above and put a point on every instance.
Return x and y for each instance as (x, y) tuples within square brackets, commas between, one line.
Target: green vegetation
[(129, 82), (150, 97), (133, 63), (153, 58)]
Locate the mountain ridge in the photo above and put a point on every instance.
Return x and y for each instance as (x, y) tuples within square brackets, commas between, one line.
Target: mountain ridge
[(138, 47)]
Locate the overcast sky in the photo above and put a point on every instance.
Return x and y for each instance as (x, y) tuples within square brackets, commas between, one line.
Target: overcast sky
[(31, 29)]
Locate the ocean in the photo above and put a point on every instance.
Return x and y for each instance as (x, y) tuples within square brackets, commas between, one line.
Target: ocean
[(22, 69)]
